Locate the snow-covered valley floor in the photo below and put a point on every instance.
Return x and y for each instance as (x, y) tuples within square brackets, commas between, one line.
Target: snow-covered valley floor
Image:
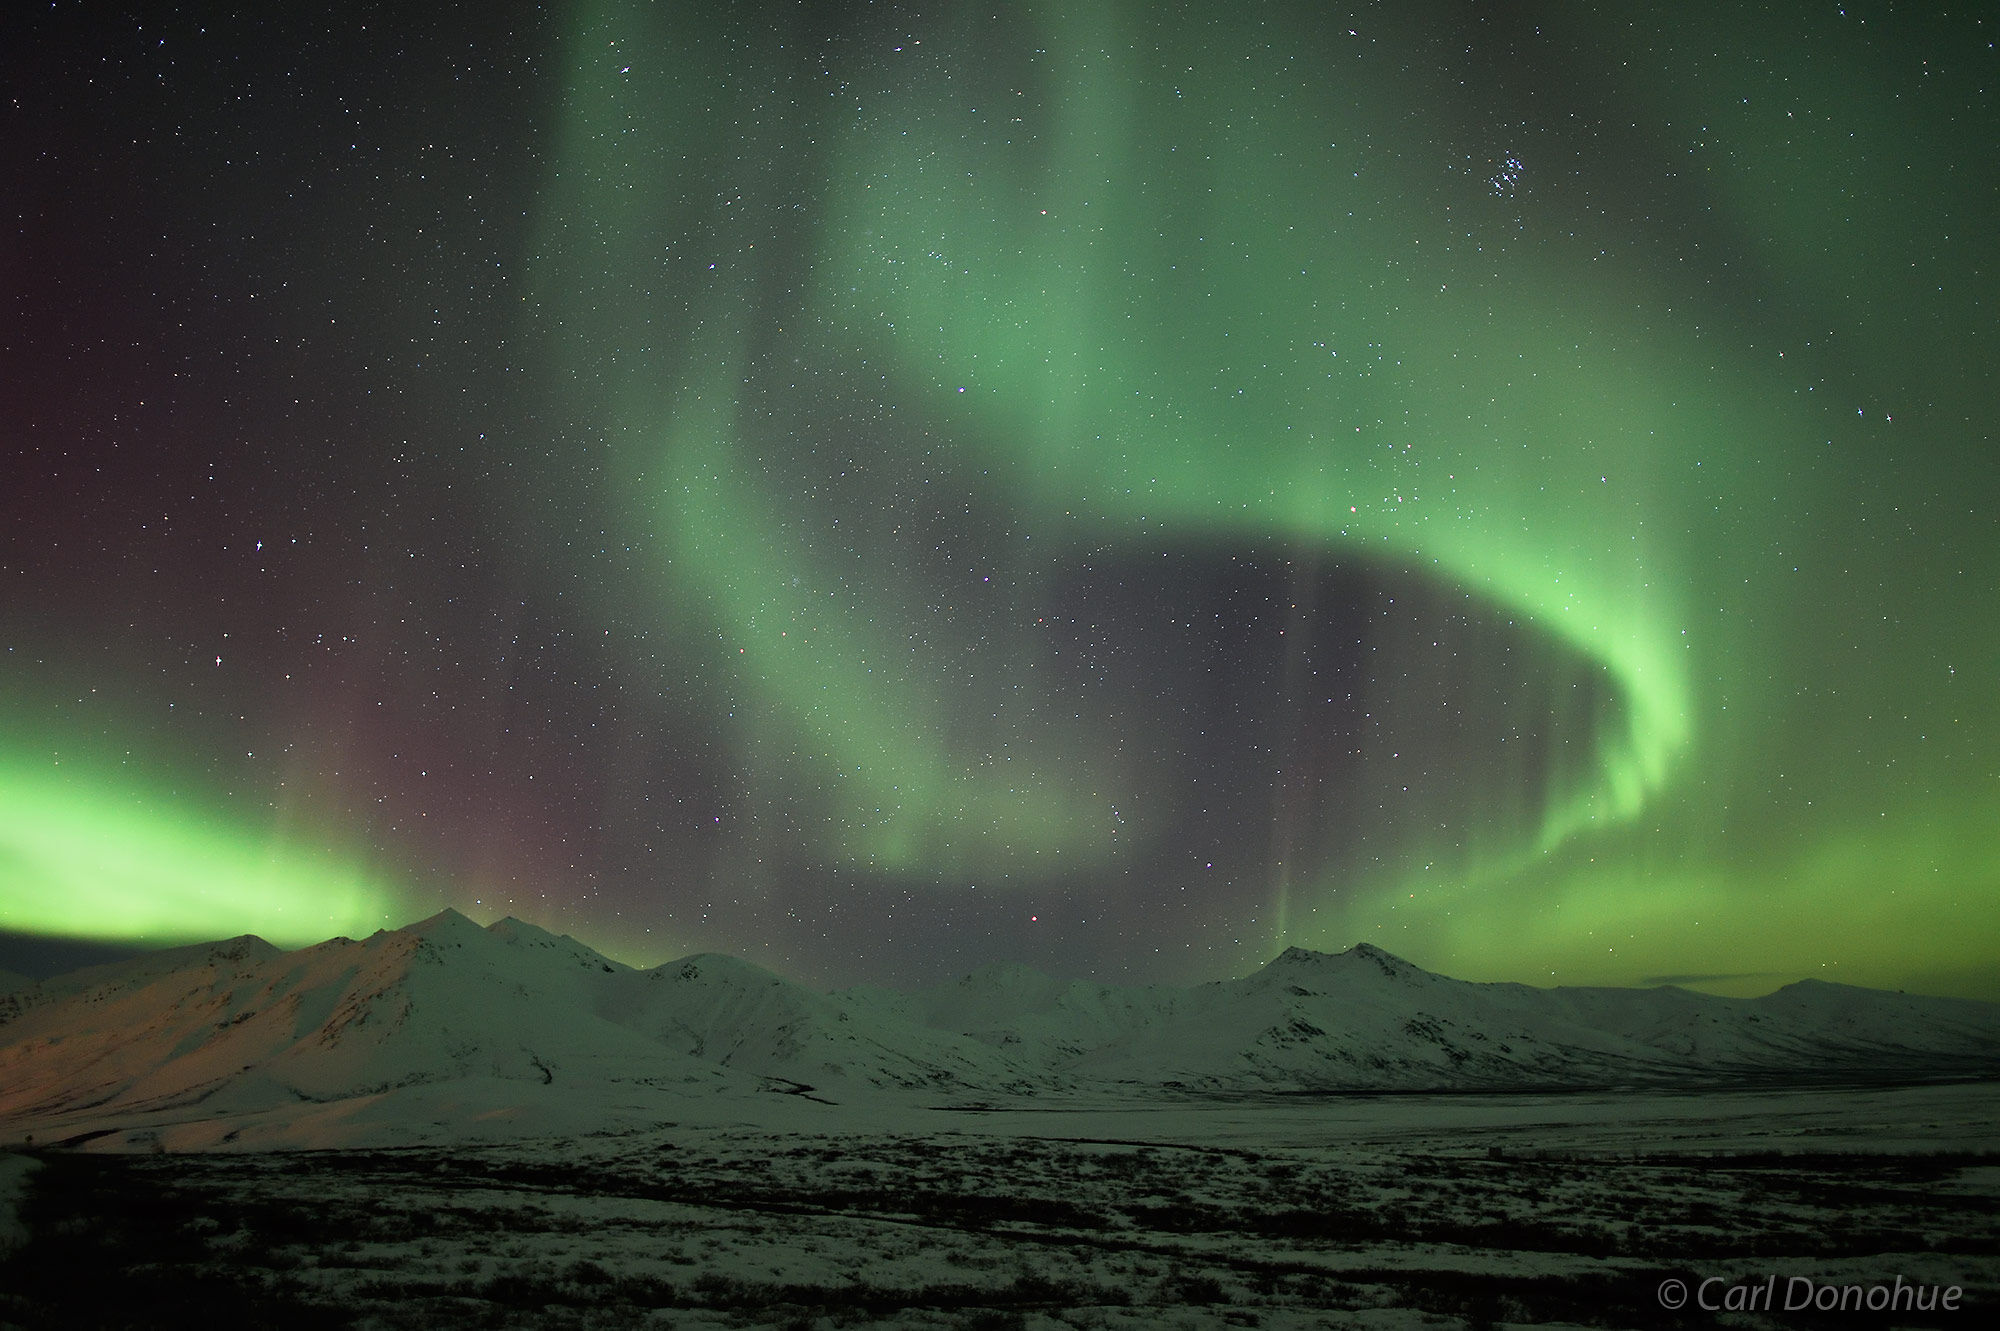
[(1351, 1211)]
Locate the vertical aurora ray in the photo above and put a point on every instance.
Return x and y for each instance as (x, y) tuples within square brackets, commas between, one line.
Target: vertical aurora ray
[(858, 728), (870, 727)]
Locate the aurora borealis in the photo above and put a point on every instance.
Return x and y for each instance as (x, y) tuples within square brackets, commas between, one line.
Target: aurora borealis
[(1122, 488)]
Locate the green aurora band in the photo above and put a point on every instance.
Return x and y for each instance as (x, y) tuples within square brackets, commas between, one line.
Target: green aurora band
[(1151, 280), (107, 860), (1667, 355)]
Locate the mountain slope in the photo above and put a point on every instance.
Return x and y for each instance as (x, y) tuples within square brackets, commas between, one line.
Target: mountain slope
[(1367, 1020), (242, 1028), (444, 1028), (746, 1018), (541, 1024)]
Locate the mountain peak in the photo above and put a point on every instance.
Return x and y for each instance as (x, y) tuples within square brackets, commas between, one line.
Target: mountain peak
[(1389, 962), (515, 928), (243, 947), (444, 1013), (444, 919), (717, 968)]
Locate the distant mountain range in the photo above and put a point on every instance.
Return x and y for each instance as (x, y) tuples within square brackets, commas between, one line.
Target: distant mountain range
[(446, 1028)]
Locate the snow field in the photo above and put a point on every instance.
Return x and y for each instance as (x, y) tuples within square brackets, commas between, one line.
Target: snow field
[(1526, 1214)]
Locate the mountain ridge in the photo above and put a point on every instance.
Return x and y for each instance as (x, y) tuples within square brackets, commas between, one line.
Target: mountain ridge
[(445, 1026)]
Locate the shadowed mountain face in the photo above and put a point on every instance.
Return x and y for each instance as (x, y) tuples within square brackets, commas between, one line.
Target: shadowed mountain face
[(444, 1029)]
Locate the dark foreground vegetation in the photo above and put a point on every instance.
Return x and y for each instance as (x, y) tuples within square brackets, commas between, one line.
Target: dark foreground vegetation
[(713, 1228)]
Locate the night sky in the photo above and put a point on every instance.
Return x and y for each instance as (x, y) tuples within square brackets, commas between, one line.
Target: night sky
[(1124, 488)]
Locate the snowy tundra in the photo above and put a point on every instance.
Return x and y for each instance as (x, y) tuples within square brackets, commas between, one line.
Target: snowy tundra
[(449, 1124)]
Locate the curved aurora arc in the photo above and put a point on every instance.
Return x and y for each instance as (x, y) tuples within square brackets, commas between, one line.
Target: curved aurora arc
[(1145, 300), (1074, 487)]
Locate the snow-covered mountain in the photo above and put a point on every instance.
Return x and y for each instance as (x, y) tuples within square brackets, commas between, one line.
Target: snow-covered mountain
[(743, 1017), (1367, 1020), (444, 1029), (509, 1024), (241, 1028)]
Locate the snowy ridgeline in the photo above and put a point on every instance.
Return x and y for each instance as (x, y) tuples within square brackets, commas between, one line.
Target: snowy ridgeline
[(447, 1030)]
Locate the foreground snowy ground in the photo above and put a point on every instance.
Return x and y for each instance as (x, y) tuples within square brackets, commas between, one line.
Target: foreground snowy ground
[(1366, 1211)]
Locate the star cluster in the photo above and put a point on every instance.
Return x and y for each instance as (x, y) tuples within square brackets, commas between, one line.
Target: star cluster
[(879, 490)]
